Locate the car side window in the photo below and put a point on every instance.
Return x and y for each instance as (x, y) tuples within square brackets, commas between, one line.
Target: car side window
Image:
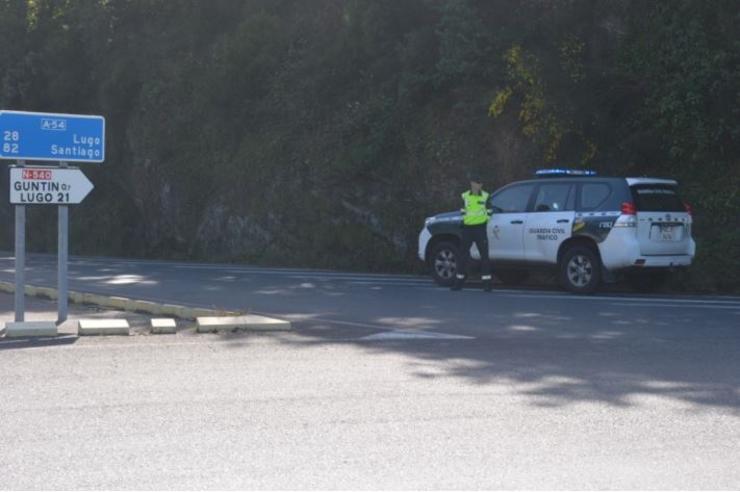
[(553, 197), (593, 195), (513, 199)]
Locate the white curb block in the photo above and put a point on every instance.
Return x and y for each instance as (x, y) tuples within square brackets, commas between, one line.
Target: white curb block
[(88, 327), (30, 329), (212, 324), (163, 326)]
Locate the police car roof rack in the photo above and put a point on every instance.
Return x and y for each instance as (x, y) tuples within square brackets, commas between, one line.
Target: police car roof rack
[(563, 172)]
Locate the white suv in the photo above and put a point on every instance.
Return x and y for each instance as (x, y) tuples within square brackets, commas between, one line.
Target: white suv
[(590, 228)]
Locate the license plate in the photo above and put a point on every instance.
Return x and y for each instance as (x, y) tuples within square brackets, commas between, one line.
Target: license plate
[(666, 233)]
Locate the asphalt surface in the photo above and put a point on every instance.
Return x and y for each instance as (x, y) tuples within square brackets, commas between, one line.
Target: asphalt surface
[(386, 382)]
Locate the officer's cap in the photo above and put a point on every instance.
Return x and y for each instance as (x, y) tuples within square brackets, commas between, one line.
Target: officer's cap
[(474, 176)]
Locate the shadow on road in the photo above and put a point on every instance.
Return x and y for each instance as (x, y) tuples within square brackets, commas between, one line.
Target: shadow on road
[(556, 359), (26, 343), (553, 351)]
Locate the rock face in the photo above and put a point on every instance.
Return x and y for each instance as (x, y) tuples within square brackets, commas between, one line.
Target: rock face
[(224, 235), (322, 133)]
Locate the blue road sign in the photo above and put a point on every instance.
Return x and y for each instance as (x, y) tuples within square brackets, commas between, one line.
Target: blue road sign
[(51, 137)]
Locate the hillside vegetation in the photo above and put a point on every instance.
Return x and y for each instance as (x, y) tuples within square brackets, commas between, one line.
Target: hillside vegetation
[(322, 132)]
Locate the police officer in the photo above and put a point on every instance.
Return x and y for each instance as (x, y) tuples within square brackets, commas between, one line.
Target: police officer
[(475, 220)]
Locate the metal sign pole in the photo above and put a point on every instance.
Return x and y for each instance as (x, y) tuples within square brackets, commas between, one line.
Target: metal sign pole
[(48, 137), (20, 259), (62, 254)]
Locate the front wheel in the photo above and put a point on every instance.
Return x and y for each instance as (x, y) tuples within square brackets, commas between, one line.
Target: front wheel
[(580, 270), (443, 260)]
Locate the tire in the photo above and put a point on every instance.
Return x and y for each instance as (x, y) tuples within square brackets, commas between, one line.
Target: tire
[(580, 270), (512, 277), (645, 282), (443, 262)]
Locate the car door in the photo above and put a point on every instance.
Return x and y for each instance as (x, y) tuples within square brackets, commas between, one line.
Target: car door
[(506, 226), (550, 221)]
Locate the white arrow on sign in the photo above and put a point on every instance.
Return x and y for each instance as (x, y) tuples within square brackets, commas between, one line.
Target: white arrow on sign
[(47, 186)]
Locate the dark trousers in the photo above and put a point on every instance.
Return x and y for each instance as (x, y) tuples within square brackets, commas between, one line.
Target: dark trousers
[(474, 234)]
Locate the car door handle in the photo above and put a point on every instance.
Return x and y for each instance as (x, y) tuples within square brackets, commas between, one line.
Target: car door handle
[(517, 222), (563, 221)]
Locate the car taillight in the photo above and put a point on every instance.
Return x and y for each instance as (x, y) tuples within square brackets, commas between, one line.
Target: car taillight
[(628, 208), (688, 208)]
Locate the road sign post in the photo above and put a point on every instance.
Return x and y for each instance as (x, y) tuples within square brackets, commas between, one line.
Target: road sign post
[(62, 255), (47, 186), (48, 137), (20, 260)]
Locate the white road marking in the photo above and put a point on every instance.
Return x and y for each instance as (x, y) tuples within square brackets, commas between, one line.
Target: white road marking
[(413, 335), (641, 300), (359, 279), (333, 322), (93, 262), (638, 301), (293, 272), (416, 282), (709, 303), (385, 282), (678, 306)]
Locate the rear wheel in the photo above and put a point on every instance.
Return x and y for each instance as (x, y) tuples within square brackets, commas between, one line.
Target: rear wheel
[(443, 260), (580, 270), (647, 281)]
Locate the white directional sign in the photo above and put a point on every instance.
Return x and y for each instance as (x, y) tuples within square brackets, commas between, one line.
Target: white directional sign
[(47, 186)]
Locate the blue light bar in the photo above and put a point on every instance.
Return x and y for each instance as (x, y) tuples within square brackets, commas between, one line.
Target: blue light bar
[(564, 172)]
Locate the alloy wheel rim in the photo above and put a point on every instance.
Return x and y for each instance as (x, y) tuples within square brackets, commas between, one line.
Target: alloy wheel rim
[(445, 264), (580, 270)]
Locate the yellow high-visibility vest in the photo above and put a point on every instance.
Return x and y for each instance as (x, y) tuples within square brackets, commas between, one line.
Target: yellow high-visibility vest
[(475, 211)]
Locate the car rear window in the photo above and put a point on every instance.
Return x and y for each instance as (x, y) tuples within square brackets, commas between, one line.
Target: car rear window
[(657, 198)]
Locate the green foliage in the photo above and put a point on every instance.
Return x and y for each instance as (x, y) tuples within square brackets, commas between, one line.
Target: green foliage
[(685, 61), (322, 133), (461, 39), (571, 58), (540, 119)]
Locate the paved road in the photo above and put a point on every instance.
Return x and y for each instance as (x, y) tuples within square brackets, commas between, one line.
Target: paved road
[(388, 381), (375, 301)]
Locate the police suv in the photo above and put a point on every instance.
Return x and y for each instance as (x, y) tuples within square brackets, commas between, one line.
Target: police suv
[(589, 228)]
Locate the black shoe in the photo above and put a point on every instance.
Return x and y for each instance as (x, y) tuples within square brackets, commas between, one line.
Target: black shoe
[(457, 285)]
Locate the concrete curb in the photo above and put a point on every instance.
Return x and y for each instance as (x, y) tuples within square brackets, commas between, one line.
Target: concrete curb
[(103, 327), (120, 303), (249, 322), (27, 329), (163, 326)]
